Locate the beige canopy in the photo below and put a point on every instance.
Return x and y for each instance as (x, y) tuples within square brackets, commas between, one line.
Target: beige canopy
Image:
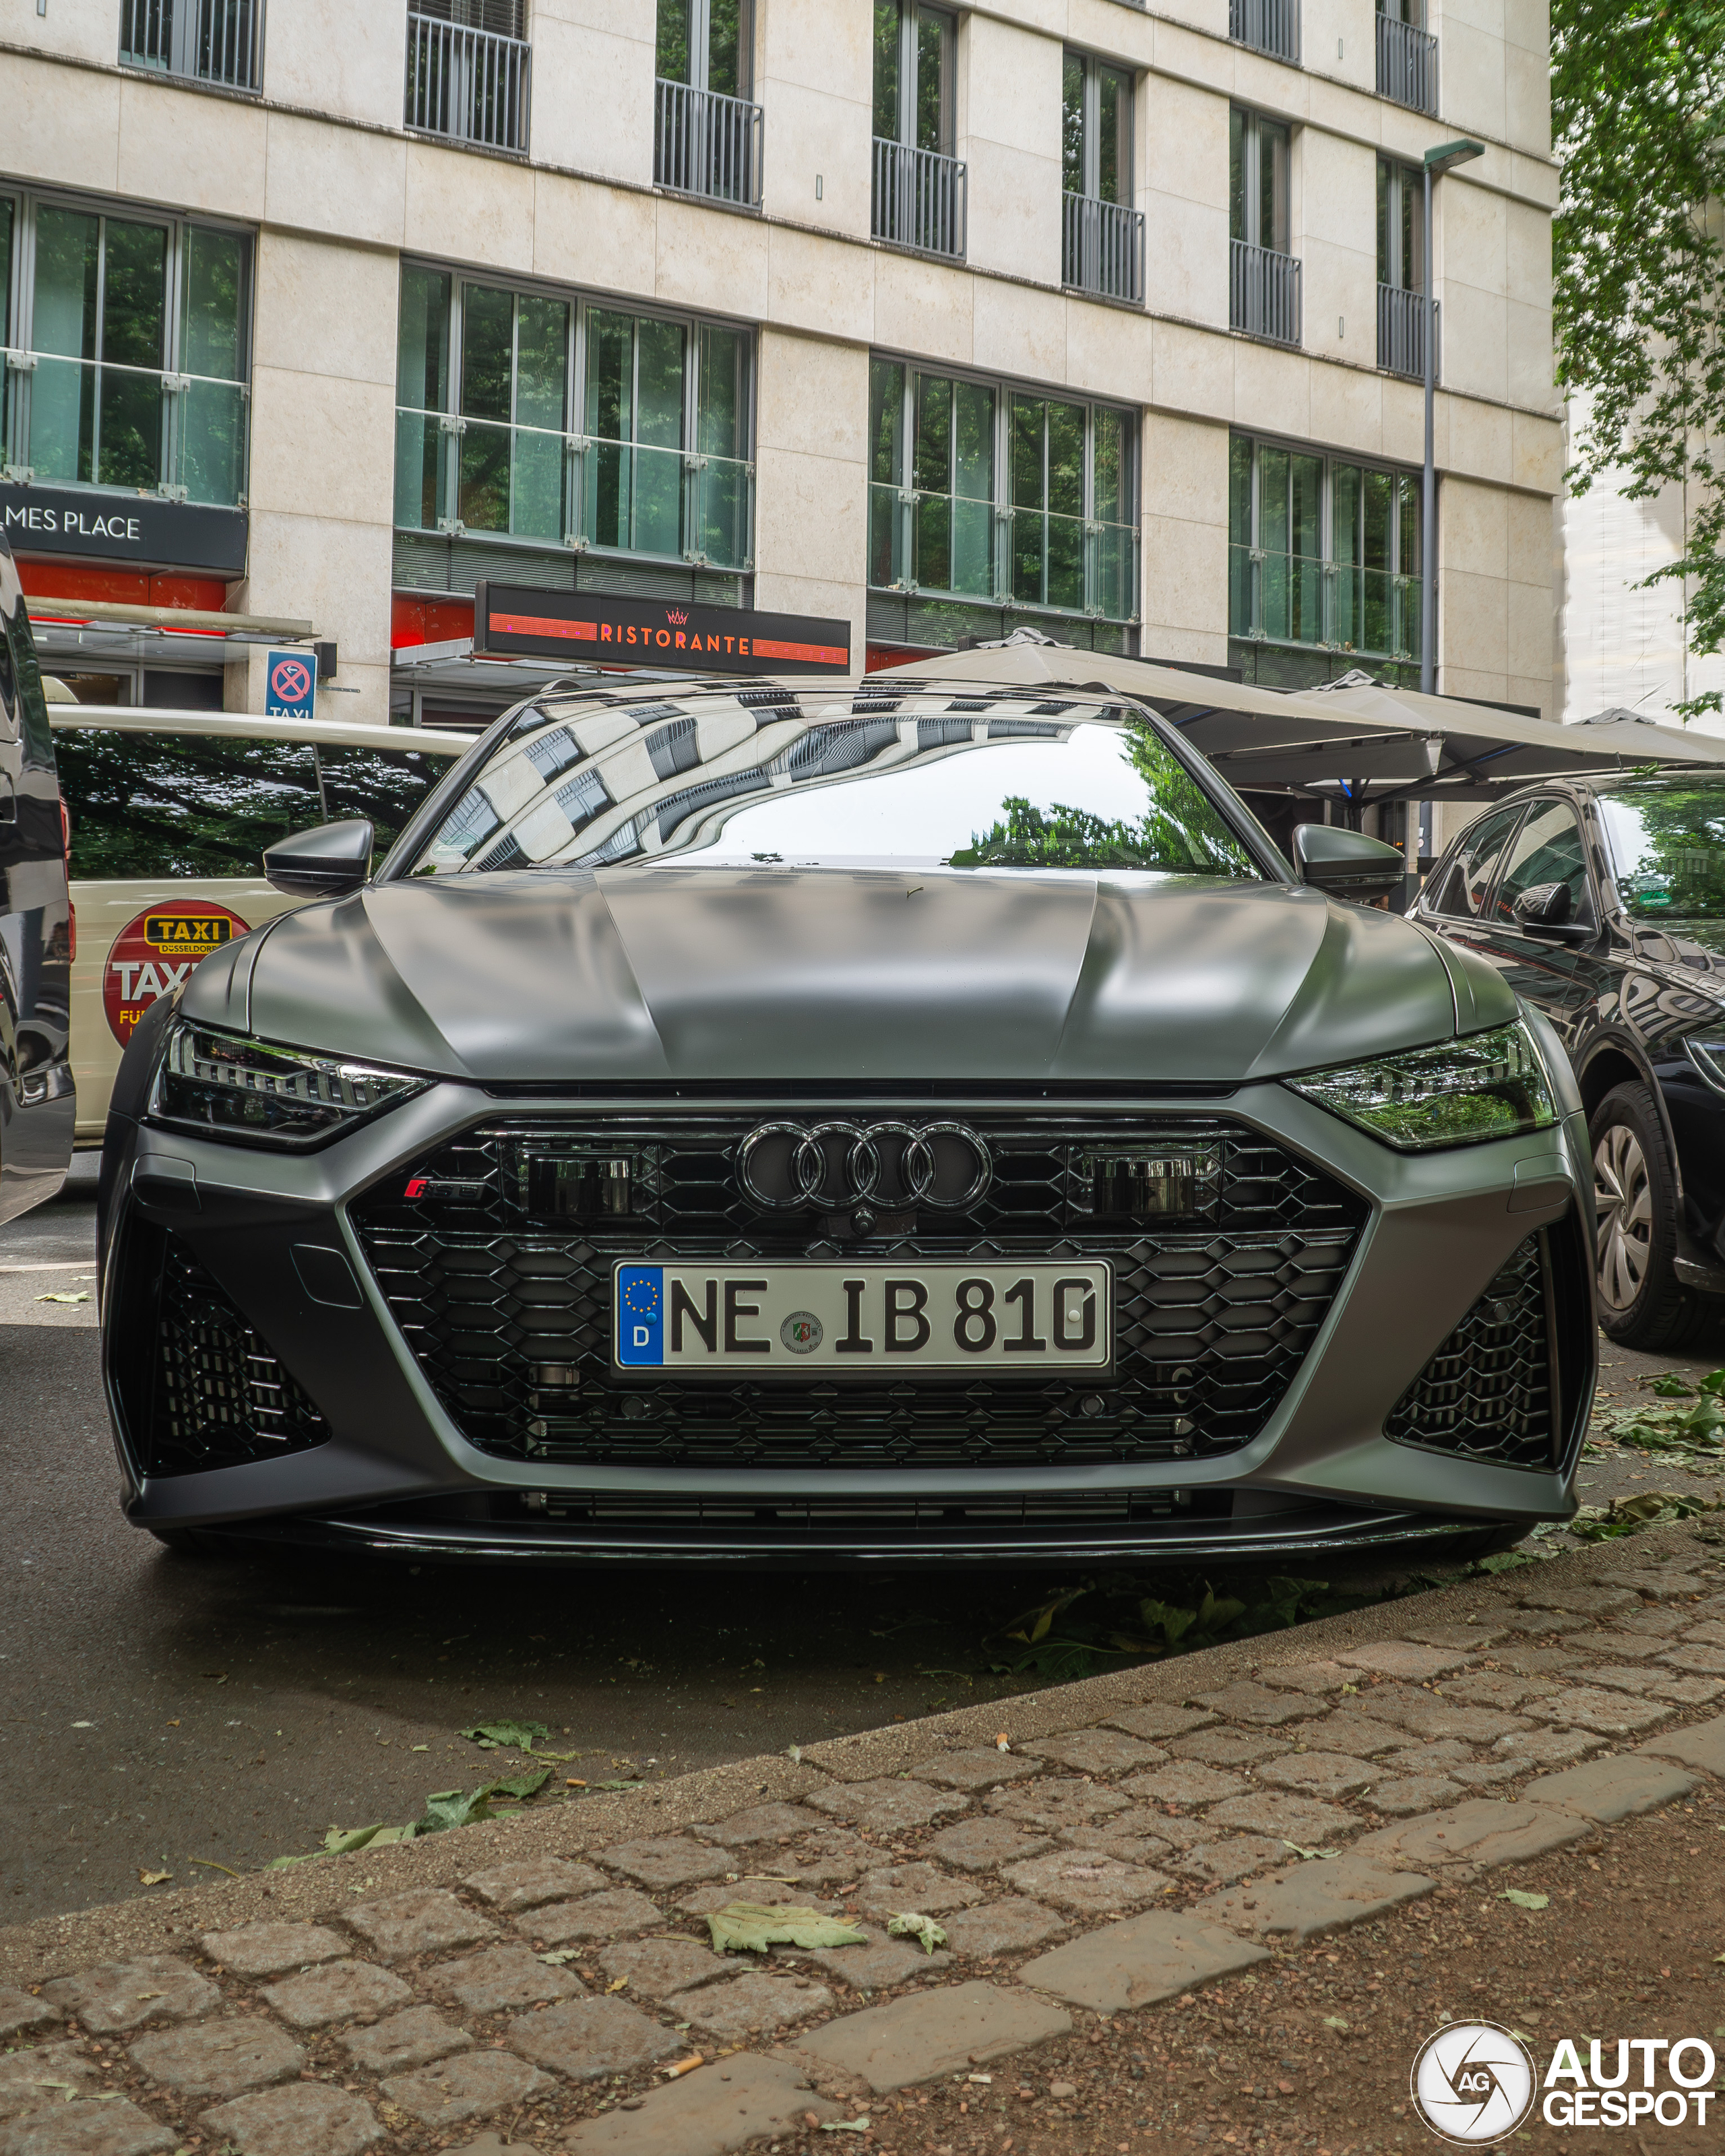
[(1365, 743)]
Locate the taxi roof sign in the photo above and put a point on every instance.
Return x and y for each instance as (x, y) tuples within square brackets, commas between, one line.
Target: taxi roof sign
[(514, 621)]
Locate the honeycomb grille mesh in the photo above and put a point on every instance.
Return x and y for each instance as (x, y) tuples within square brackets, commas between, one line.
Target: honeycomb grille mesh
[(220, 1398), (1487, 1393), (509, 1317)]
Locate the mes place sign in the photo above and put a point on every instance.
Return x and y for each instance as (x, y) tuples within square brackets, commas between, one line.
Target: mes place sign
[(512, 621)]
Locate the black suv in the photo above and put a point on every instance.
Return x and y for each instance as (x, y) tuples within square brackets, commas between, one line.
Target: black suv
[(1604, 904)]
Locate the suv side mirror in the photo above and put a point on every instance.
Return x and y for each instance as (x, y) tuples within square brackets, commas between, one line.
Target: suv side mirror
[(1347, 864), (1545, 909), (327, 861)]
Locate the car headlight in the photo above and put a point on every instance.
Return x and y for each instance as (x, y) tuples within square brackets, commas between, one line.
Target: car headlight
[(1485, 1086), (228, 1085)]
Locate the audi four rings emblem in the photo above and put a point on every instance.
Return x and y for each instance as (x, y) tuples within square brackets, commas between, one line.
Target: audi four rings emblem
[(790, 1167)]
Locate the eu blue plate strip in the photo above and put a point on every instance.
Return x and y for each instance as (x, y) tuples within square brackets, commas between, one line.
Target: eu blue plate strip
[(640, 1316)]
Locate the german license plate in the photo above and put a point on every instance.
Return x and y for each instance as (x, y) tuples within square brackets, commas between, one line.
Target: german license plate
[(863, 1320)]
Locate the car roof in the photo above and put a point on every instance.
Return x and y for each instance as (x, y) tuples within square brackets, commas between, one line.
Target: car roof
[(244, 725)]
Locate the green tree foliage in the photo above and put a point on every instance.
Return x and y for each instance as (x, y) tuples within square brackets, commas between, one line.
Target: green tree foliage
[(1182, 829), (1639, 272)]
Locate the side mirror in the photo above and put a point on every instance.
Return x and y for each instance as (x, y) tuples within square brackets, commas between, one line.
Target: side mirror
[(1546, 909), (327, 861), (1347, 864)]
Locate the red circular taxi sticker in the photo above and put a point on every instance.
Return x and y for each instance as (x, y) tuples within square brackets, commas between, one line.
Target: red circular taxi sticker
[(153, 954)]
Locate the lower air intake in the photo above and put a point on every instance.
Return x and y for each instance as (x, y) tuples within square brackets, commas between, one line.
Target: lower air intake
[(217, 1396), (1491, 1391)]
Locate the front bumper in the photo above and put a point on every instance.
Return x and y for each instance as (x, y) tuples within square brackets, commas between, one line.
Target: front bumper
[(380, 1464)]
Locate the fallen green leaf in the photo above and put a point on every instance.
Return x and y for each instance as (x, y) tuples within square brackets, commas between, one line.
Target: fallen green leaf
[(1308, 1853), (63, 1298), (448, 1808), (560, 1955), (521, 1736), (751, 1927), (928, 1934), (844, 2126), (1525, 1901), (1334, 2021)]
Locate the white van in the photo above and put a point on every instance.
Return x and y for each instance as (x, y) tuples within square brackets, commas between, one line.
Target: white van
[(170, 813)]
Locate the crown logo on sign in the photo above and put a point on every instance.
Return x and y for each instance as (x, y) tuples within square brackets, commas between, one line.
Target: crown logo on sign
[(676, 615)]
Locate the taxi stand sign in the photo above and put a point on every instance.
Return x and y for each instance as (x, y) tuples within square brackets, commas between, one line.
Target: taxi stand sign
[(291, 686), (513, 621)]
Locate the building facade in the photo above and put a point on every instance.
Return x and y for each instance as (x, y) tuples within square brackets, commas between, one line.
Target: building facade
[(1097, 317)]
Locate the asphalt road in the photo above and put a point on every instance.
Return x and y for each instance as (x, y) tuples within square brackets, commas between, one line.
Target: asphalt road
[(162, 1714)]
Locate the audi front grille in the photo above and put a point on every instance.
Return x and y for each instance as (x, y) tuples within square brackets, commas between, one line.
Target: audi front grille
[(495, 1254)]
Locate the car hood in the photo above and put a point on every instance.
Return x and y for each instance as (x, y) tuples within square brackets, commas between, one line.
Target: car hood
[(840, 974)]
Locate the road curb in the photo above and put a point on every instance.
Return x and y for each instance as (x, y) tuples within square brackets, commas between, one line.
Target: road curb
[(173, 1921)]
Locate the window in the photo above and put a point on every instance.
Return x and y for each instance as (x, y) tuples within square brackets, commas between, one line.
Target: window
[(1102, 236), (1321, 551), (468, 67), (219, 41), (1268, 26), (1257, 180), (1548, 849), (1264, 297), (1401, 268), (919, 186), (707, 137), (157, 805), (1407, 55), (981, 491), (1462, 888), (487, 379), (130, 355)]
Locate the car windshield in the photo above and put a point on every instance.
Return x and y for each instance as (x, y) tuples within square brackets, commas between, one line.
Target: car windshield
[(1668, 847), (759, 774)]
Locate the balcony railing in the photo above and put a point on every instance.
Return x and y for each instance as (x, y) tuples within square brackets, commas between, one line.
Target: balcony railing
[(220, 41), (1268, 26), (1263, 292), (1102, 248), (946, 546), (89, 423), (1401, 333), (1407, 65), (480, 478), (470, 86), (920, 199), (706, 144), (1337, 606)]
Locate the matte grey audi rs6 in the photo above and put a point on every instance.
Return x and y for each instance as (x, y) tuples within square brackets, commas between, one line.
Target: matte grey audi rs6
[(801, 1124)]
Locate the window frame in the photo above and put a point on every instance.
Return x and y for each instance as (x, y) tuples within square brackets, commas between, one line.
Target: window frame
[(577, 442), (1093, 66), (1587, 915), (700, 29), (1403, 522), (1397, 182), (17, 302), (1004, 389), (1253, 127), (911, 15)]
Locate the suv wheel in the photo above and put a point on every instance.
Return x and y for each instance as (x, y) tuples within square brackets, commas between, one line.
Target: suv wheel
[(1641, 1302)]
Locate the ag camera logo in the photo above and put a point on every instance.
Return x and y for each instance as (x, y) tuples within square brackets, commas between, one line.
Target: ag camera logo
[(1473, 2082)]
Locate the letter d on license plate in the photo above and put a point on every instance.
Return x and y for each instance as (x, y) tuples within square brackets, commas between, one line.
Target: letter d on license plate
[(863, 1321)]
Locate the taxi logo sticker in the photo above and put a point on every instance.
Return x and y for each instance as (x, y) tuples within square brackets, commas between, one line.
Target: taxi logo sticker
[(154, 952)]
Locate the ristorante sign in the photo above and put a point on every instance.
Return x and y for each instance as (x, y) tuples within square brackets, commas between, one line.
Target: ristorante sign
[(512, 621)]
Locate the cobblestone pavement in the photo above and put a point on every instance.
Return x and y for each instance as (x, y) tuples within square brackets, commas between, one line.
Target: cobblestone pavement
[(556, 1997)]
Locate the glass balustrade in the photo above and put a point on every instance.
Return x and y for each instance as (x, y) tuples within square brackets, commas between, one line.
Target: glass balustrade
[(949, 546), (540, 485), (93, 422), (1342, 606)]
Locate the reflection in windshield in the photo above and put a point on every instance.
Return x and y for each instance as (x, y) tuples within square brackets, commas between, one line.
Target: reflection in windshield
[(1668, 840), (758, 773)]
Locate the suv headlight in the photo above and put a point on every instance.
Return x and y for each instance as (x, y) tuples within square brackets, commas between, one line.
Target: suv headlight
[(227, 1085), (1485, 1086)]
